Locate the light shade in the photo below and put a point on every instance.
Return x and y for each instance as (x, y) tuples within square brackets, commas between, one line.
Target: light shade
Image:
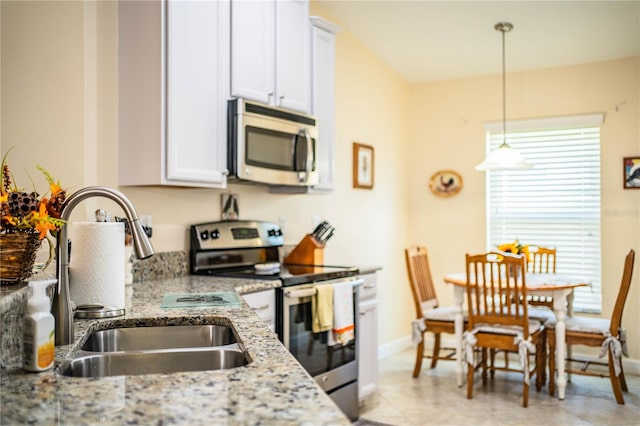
[(504, 158)]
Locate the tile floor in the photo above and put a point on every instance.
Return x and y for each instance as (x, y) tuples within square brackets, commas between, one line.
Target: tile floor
[(434, 399)]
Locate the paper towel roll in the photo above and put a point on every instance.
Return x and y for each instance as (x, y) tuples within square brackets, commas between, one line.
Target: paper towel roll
[(96, 269)]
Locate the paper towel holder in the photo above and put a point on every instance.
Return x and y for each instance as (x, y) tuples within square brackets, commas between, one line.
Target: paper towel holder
[(95, 311)]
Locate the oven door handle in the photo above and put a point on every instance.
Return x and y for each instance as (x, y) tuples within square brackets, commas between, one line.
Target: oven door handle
[(311, 291), (303, 292)]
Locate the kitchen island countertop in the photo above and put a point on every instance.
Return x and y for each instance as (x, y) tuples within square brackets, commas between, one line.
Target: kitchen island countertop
[(271, 390)]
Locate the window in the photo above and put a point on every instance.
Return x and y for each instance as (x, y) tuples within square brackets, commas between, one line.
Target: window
[(557, 202)]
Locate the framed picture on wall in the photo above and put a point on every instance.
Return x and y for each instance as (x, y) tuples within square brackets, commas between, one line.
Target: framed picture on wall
[(631, 172), (363, 166)]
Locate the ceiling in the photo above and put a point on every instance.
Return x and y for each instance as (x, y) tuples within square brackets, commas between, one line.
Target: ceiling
[(440, 40)]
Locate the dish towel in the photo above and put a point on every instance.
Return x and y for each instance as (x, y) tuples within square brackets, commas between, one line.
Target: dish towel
[(343, 326), (322, 308)]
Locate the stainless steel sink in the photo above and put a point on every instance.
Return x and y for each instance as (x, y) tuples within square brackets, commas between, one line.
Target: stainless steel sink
[(157, 338), (156, 350), (161, 362)]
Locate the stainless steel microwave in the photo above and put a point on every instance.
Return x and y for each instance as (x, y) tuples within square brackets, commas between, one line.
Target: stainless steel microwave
[(271, 145)]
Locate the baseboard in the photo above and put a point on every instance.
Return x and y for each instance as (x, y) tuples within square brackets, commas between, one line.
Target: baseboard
[(631, 365), (394, 347)]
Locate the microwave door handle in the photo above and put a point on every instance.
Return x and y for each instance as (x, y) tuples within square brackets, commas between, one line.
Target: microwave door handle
[(304, 176)]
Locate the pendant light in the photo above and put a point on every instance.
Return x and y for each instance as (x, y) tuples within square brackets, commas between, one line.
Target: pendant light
[(504, 157)]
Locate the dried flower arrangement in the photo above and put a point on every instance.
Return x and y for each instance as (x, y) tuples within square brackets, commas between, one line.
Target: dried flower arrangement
[(24, 211)]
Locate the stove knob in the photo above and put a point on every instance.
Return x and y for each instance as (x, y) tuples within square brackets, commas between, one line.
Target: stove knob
[(215, 234), (271, 233), (278, 233), (204, 235)]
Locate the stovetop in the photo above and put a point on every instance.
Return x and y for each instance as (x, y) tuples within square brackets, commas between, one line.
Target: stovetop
[(292, 274), (232, 248)]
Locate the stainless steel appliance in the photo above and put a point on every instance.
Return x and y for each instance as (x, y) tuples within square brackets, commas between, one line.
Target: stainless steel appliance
[(271, 145), (250, 250)]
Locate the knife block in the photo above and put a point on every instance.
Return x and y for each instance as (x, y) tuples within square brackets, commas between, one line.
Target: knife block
[(307, 252)]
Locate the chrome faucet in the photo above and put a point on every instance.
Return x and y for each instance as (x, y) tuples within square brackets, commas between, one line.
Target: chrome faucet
[(62, 311)]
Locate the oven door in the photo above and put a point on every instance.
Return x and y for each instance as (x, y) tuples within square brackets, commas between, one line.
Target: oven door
[(311, 349)]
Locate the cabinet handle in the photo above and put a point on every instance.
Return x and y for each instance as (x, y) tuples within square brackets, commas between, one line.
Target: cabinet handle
[(261, 308), (270, 94), (369, 286)]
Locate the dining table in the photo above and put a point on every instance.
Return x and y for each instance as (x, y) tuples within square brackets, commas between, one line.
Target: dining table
[(559, 287)]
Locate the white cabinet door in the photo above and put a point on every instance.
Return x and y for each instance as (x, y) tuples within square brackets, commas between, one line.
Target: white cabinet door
[(173, 86), (323, 97), (264, 305), (194, 101), (253, 50), (270, 55), (368, 349), (293, 55), (368, 336)]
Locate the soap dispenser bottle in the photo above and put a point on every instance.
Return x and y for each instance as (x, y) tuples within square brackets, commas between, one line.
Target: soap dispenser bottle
[(39, 329)]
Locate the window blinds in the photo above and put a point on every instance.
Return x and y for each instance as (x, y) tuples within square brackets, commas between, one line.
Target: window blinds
[(557, 202)]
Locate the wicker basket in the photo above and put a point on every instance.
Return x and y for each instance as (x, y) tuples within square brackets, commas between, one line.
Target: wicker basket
[(17, 255)]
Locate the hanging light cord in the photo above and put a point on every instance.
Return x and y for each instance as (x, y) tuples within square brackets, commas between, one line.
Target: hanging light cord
[(504, 89), (504, 27)]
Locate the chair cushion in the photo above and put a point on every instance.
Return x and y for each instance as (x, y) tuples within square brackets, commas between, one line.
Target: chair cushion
[(443, 314), (583, 324), (534, 326), (540, 314)]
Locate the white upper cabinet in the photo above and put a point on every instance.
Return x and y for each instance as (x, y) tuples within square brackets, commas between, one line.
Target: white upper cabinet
[(323, 97), (253, 50), (270, 55), (173, 86)]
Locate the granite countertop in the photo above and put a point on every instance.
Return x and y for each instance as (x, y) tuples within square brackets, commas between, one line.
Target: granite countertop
[(272, 389)]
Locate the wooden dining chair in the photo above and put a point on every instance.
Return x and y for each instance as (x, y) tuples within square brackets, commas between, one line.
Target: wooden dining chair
[(540, 260), (494, 280), (597, 332), (430, 317)]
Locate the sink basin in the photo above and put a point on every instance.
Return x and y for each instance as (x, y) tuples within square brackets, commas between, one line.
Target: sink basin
[(156, 350), (158, 338), (161, 362)]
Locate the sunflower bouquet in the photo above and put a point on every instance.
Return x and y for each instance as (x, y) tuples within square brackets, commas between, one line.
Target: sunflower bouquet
[(25, 220), (513, 248)]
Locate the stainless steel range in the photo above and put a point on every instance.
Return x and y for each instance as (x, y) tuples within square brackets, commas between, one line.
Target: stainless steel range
[(251, 250)]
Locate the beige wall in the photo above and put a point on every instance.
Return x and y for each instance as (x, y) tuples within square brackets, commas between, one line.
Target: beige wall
[(59, 107)]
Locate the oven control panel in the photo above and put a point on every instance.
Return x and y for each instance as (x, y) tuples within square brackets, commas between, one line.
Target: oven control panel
[(235, 234)]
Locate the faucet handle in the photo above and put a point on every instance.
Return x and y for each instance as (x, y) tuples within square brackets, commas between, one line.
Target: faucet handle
[(101, 215)]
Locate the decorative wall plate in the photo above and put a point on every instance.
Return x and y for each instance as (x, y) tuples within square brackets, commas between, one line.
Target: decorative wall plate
[(445, 183)]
